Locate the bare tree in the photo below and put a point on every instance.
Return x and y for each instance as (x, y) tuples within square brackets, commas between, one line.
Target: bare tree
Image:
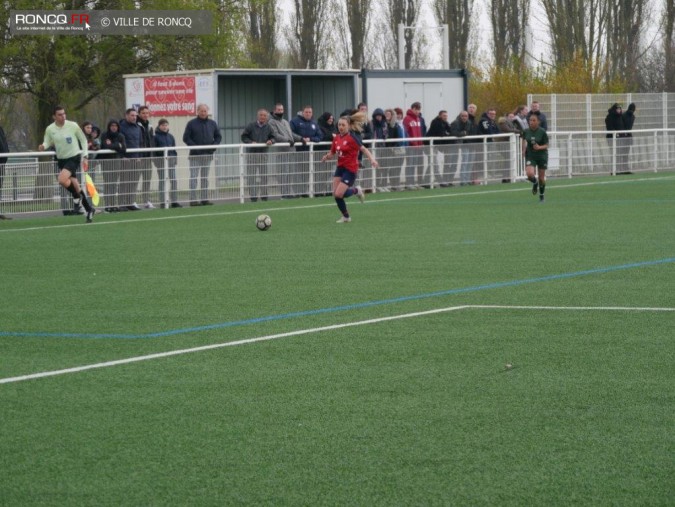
[(358, 15), (457, 14), (669, 45), (262, 17), (625, 25), (577, 29), (307, 40), (509, 20)]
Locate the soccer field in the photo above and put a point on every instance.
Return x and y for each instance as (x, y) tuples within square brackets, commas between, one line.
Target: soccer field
[(461, 346)]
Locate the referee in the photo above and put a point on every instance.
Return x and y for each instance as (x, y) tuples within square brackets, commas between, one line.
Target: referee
[(69, 142)]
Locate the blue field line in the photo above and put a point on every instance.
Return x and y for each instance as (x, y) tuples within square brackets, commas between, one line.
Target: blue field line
[(355, 306)]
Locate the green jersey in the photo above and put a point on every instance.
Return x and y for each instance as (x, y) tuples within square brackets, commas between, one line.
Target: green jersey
[(68, 141), (539, 137)]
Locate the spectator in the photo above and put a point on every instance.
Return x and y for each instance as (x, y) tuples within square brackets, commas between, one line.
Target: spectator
[(629, 117), (164, 139), (614, 123), (487, 125), (4, 149), (257, 132), (389, 172), (441, 128), (112, 139), (379, 133), (304, 126), (93, 134), (472, 146), (460, 128), (147, 141), (521, 118), (93, 142), (280, 158), (328, 128), (201, 131), (535, 109), (70, 145), (628, 121), (415, 156), (506, 125), (367, 131), (324, 170), (379, 127), (129, 176)]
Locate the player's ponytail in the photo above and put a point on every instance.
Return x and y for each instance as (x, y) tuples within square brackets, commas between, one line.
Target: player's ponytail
[(357, 120)]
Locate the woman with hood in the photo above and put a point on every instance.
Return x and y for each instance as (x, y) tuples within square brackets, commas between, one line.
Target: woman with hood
[(112, 139), (328, 129), (613, 123), (628, 121)]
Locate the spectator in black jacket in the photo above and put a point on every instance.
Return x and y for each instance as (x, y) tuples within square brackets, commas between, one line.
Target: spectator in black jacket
[(257, 132), (613, 123), (440, 127), (201, 131), (111, 164), (328, 128), (628, 121), (164, 139), (132, 165), (147, 141), (462, 127)]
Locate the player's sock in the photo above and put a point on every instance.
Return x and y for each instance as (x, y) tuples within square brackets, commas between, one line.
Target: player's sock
[(532, 179), (542, 188), (342, 205), (86, 203), (350, 192), (73, 192)]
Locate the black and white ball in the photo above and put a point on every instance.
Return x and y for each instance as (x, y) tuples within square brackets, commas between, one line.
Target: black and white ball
[(263, 222)]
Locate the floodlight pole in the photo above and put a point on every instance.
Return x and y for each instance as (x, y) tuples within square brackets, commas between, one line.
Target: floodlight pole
[(401, 44)]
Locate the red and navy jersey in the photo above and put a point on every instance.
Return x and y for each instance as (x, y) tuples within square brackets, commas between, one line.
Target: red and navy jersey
[(347, 147)]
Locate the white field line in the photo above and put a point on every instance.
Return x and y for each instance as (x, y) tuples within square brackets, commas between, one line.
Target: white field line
[(576, 308), (214, 346), (413, 196)]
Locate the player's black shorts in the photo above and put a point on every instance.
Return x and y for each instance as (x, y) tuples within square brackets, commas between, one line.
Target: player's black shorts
[(541, 163), (346, 176), (72, 164)]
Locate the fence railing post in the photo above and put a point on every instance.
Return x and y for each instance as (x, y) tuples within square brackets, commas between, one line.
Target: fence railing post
[(570, 155), (311, 170), (242, 174), (432, 164)]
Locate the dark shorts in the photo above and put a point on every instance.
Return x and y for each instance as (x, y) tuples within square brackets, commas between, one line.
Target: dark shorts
[(346, 176), (71, 164), (541, 163)]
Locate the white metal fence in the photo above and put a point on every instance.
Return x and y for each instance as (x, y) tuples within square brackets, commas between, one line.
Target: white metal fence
[(575, 112), (241, 173)]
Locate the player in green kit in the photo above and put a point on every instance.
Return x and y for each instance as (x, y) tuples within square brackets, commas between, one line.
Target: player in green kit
[(535, 149), (70, 145)]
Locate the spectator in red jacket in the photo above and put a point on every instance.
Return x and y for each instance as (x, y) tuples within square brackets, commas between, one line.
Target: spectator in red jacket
[(412, 124)]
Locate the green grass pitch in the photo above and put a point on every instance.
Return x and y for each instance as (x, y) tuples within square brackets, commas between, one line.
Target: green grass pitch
[(545, 377)]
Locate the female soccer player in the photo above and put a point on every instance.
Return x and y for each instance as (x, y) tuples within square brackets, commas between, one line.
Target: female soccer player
[(347, 144), (535, 147)]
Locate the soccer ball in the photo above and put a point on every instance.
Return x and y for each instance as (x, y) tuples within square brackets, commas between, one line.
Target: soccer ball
[(263, 222)]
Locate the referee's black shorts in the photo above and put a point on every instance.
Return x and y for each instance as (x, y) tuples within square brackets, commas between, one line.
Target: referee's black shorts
[(72, 164)]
